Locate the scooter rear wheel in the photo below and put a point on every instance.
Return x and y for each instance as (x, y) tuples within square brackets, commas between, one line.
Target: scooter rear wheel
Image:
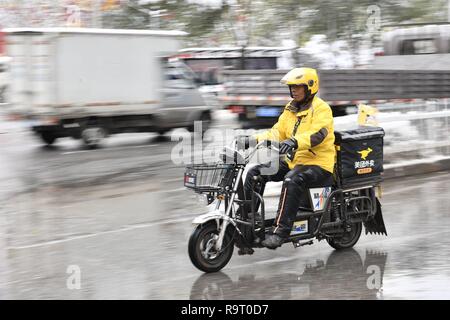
[(202, 252), (348, 239)]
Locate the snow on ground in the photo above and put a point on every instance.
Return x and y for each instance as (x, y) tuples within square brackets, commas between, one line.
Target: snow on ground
[(414, 131), (408, 131)]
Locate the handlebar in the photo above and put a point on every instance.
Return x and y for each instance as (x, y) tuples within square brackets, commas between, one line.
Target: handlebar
[(269, 143)]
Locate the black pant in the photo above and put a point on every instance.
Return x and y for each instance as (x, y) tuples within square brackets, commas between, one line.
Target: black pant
[(295, 186)]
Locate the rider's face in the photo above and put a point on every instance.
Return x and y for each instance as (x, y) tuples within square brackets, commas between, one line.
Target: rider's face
[(298, 92)]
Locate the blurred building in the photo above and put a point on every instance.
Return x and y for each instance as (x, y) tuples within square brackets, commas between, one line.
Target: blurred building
[(54, 13)]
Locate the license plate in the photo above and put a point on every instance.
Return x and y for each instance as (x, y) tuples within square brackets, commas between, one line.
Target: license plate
[(190, 179), (379, 192), (267, 112), (299, 227)]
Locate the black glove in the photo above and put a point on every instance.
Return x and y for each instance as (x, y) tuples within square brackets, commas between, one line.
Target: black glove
[(244, 142), (289, 147)]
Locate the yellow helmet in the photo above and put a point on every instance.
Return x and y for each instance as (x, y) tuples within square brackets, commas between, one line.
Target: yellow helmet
[(303, 76)]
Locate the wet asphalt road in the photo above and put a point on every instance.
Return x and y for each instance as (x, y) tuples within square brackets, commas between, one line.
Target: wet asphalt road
[(121, 215)]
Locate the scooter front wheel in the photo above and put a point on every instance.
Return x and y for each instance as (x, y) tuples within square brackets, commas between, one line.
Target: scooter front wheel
[(202, 250)]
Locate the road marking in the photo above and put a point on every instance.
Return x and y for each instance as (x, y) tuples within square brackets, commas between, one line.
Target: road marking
[(173, 190), (86, 236), (110, 149), (179, 179)]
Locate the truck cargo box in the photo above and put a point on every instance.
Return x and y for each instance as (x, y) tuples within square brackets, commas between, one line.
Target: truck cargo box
[(90, 71)]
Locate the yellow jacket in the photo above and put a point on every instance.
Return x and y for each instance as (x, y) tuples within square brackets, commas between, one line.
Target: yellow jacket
[(314, 134)]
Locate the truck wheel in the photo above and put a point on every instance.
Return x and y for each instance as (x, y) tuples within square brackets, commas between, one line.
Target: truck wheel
[(92, 136), (347, 239), (48, 138), (202, 252), (162, 132), (206, 120)]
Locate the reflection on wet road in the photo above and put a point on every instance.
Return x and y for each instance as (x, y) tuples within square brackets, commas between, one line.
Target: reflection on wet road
[(343, 275), (121, 215)]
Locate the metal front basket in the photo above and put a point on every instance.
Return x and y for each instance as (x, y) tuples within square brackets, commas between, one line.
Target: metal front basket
[(204, 178)]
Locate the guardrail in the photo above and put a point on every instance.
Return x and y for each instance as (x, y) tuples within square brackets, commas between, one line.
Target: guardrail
[(338, 87)]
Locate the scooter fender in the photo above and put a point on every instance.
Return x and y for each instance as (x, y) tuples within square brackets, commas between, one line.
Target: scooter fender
[(215, 215)]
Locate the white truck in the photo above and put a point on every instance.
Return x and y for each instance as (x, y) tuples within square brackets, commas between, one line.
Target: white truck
[(89, 83)]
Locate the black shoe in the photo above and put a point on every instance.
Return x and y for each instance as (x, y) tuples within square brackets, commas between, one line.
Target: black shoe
[(273, 241), (244, 251)]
